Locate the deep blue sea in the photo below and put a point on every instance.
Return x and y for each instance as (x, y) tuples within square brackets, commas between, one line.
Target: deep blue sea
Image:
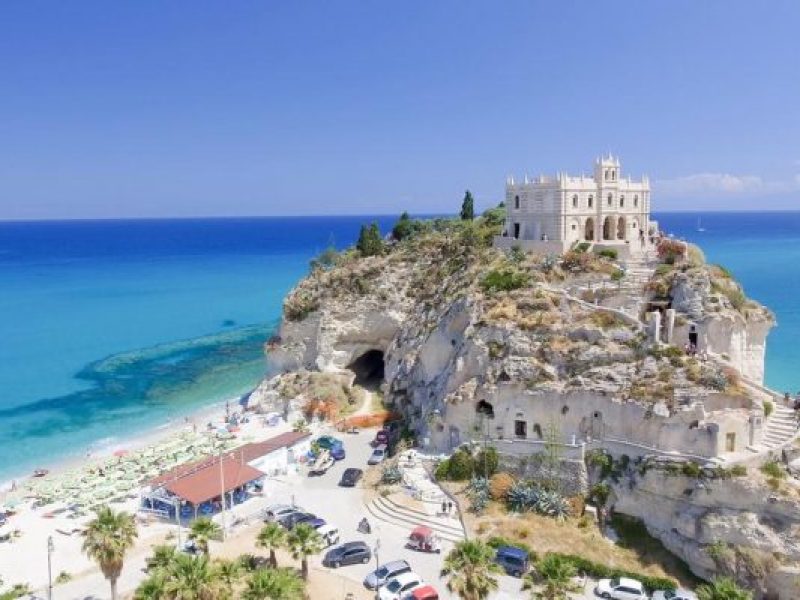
[(109, 328)]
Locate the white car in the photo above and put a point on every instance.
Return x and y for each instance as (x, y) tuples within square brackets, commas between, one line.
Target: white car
[(676, 595), (620, 589), (377, 455), (329, 533), (398, 587)]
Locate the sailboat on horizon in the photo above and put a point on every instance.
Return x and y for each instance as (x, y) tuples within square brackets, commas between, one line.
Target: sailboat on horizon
[(700, 225)]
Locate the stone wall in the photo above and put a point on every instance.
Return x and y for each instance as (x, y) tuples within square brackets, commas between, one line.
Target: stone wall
[(569, 476)]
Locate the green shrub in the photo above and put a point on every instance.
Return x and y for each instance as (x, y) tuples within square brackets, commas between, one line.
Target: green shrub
[(582, 247), (503, 280), (608, 253), (691, 469), (617, 275), (486, 462), (773, 468), (769, 407), (592, 569)]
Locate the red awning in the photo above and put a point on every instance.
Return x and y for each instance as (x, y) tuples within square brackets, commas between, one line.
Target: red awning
[(207, 483)]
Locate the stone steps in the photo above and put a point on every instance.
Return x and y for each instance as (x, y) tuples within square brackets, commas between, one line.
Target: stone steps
[(384, 509), (780, 427)]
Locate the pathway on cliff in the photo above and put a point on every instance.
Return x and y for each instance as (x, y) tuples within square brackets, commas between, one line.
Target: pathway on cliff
[(779, 429)]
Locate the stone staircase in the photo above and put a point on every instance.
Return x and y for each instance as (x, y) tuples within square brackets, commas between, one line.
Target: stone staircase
[(387, 510), (780, 427)]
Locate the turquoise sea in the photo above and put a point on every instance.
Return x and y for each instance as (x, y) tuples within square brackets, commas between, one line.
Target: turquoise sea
[(109, 328)]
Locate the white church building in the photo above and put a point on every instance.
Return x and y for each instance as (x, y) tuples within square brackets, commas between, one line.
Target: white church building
[(606, 209)]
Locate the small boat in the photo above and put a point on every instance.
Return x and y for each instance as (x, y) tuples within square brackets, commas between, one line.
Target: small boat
[(700, 225), (40, 472)]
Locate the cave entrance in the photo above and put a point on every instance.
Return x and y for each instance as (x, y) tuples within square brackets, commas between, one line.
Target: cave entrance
[(368, 369)]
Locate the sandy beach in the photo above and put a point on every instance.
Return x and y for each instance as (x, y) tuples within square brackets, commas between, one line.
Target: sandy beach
[(23, 557)]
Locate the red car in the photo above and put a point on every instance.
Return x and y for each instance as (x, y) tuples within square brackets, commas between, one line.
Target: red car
[(426, 592), (382, 437)]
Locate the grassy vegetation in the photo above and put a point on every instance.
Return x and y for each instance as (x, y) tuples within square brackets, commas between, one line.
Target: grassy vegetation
[(576, 537)]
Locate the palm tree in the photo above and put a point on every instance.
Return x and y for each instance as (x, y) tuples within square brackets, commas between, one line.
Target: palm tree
[(152, 588), (723, 588), (554, 574), (162, 557), (304, 541), (194, 578), (273, 537), (274, 584), (107, 539), (470, 566), (229, 571), (203, 530)]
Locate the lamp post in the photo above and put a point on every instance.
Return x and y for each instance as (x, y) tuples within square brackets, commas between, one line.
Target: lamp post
[(377, 566), (50, 549)]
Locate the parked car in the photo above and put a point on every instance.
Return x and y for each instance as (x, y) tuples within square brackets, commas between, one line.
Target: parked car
[(328, 442), (621, 588), (678, 594), (399, 586), (292, 520), (278, 511), (377, 455), (317, 522), (515, 561), (385, 572), (350, 477), (329, 534), (382, 437), (338, 453), (349, 553), (426, 592)]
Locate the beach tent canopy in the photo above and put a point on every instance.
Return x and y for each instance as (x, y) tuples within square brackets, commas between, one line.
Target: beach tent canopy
[(209, 482)]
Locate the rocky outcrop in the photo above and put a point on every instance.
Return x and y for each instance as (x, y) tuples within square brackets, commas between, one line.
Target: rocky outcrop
[(732, 525), (480, 345)]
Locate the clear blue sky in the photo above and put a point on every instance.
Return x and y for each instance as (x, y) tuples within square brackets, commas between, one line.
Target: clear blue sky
[(139, 108)]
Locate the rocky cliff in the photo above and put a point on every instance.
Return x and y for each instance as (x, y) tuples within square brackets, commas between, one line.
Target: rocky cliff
[(475, 343)]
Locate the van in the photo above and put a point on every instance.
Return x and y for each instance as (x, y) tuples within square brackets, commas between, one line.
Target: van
[(514, 561)]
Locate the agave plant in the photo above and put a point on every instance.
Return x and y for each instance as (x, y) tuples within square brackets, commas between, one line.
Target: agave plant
[(522, 497), (552, 504), (478, 492)]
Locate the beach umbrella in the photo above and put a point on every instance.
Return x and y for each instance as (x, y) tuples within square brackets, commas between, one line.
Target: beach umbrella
[(120, 453)]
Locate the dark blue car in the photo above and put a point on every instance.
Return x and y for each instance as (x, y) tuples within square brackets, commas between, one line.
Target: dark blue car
[(514, 561)]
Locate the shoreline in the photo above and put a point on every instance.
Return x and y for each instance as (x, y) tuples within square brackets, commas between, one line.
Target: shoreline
[(98, 451)]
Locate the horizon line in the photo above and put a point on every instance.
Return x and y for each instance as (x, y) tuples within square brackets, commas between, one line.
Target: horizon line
[(333, 216)]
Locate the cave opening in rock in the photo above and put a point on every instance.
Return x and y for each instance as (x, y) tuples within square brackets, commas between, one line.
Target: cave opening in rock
[(368, 369)]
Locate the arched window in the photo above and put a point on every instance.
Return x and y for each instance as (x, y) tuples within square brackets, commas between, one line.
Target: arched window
[(605, 176), (591, 201), (622, 201), (610, 199), (636, 201), (575, 201), (516, 202), (613, 175)]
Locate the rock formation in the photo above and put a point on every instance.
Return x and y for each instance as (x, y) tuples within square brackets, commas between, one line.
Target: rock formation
[(522, 351)]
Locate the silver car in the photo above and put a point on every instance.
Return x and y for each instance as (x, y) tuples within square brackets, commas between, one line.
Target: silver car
[(278, 511), (377, 455), (386, 572)]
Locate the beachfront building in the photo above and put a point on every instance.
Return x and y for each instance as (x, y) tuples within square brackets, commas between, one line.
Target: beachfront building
[(279, 455), (197, 488), (555, 213)]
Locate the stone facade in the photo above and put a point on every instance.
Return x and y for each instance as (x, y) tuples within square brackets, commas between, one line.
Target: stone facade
[(550, 214)]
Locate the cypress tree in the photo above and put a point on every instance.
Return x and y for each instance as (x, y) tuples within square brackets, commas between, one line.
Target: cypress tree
[(468, 207)]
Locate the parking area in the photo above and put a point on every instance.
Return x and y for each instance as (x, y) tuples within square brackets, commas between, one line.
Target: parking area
[(345, 507)]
